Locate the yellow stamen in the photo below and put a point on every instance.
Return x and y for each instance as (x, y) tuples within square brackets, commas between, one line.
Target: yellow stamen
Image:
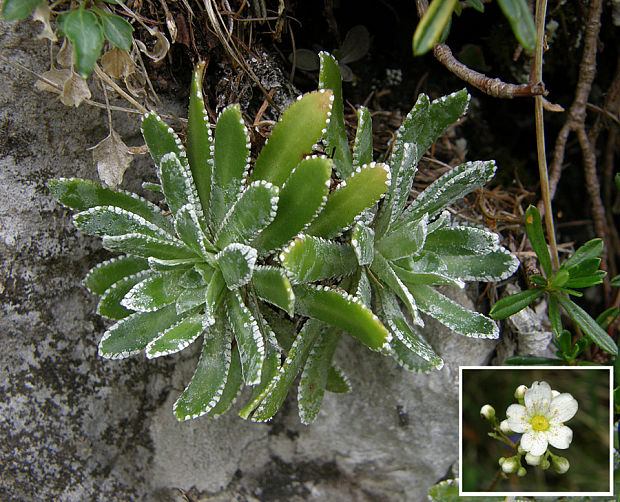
[(539, 423)]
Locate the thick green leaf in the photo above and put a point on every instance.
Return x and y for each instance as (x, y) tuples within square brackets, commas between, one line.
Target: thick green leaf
[(255, 209), (132, 334), (110, 220), (272, 285), (213, 297), (452, 186), (363, 290), (535, 233), (236, 262), (426, 278), (451, 314), (301, 198), (161, 138), (271, 366), (314, 375), (175, 338), (188, 229), (207, 385), (232, 387), (431, 26), (110, 302), (311, 259), (116, 30), (85, 33), (591, 249), (199, 140), (494, 266), (302, 124), (153, 292), (231, 157), (343, 311), (404, 241), (248, 336), (460, 240), (359, 192), (16, 10), (589, 326), (520, 18), (177, 183), (190, 298), (337, 381), (145, 246), (103, 275), (166, 265), (514, 303), (362, 147), (81, 195), (336, 136), (280, 384), (363, 242)]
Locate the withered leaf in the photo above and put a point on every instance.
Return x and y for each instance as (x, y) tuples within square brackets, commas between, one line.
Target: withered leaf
[(65, 54), (56, 76), (112, 158), (42, 14), (159, 50), (74, 91), (117, 63)]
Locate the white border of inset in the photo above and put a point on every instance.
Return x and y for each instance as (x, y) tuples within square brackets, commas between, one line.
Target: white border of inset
[(609, 369)]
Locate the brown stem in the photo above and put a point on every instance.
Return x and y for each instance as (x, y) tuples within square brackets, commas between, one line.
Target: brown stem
[(496, 479)]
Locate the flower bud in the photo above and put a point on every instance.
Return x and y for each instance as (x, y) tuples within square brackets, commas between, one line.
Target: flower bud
[(521, 472), (533, 459), (487, 412), (511, 465), (560, 464), (503, 426), (521, 450), (501, 460), (520, 392), (544, 464)]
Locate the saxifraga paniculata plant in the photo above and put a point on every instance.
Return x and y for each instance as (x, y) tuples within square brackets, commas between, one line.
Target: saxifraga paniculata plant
[(268, 264)]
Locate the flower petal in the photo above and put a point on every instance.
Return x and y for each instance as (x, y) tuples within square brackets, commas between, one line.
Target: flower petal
[(516, 418), (534, 442), (560, 437), (563, 408), (538, 395)]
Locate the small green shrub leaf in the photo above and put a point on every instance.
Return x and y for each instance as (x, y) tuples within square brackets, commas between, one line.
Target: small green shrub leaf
[(608, 317), (110, 302), (85, 33), (432, 24), (512, 304), (147, 247), (103, 275), (591, 249), (520, 18), (297, 131), (554, 315), (404, 241), (535, 233), (132, 334), (311, 259), (363, 242), (272, 285), (116, 30), (153, 292), (303, 195), (362, 147), (359, 192), (342, 311), (236, 262), (16, 10), (175, 338), (110, 220), (587, 280), (589, 326)]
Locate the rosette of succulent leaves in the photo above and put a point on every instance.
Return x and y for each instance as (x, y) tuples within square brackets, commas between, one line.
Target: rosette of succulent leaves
[(269, 263)]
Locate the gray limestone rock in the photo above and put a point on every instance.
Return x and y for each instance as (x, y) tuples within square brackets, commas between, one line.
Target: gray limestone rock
[(75, 427)]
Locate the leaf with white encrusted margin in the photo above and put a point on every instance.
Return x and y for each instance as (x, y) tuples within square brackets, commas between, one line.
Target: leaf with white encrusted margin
[(199, 139), (495, 265), (314, 375), (384, 270), (177, 183), (178, 264), (272, 285), (236, 262), (110, 220), (207, 385), (153, 292), (451, 314), (311, 259), (145, 246), (362, 147), (254, 210), (231, 390), (270, 368), (405, 334), (343, 311), (175, 338), (190, 298), (301, 125), (231, 161), (132, 334), (188, 229), (213, 297), (452, 186), (337, 381), (360, 191), (161, 138), (406, 240), (280, 384), (363, 242), (248, 336), (103, 275), (303, 195), (110, 302), (336, 135), (81, 195), (428, 277), (458, 240)]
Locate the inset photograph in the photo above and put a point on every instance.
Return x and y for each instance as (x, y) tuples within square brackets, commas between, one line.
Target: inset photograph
[(536, 431)]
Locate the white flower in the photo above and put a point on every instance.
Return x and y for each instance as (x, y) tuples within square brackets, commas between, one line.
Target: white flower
[(533, 459), (541, 420)]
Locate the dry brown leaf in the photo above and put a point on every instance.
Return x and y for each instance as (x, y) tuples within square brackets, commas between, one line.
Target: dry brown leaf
[(65, 54), (117, 63), (112, 158), (135, 83), (74, 91), (42, 14), (159, 50), (56, 76)]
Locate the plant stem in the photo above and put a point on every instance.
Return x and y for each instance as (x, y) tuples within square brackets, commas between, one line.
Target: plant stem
[(498, 476), (541, 13)]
